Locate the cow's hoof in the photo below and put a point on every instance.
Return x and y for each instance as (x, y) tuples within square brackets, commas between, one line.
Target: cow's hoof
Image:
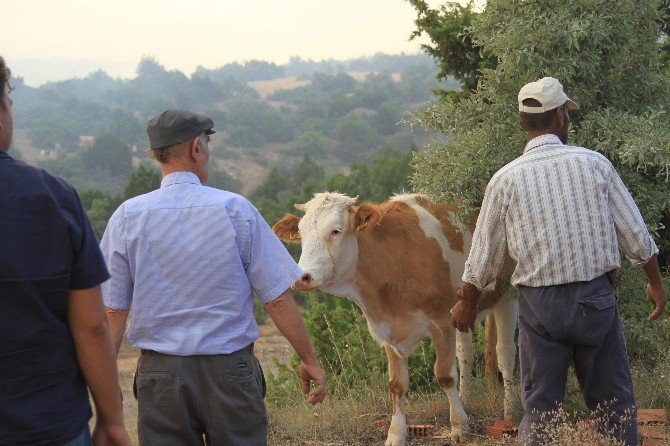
[(458, 434), (395, 440)]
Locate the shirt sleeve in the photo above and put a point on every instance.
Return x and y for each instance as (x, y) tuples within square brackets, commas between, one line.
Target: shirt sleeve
[(117, 292), (489, 241), (271, 270), (88, 267), (632, 233)]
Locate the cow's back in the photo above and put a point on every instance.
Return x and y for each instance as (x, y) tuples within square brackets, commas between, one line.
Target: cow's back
[(413, 258)]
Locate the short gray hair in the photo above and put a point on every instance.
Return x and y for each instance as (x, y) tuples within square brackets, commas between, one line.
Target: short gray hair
[(166, 154)]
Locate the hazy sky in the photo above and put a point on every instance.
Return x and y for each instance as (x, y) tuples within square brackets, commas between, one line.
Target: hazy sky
[(57, 39)]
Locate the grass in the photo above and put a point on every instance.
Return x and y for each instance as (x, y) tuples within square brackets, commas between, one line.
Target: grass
[(347, 415)]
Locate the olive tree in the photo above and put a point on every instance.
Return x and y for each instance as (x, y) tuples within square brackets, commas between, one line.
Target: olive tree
[(607, 56)]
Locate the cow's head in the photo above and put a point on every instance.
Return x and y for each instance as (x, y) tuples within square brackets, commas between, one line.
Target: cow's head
[(327, 233)]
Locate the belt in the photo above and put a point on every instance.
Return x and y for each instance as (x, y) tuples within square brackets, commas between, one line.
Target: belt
[(248, 349)]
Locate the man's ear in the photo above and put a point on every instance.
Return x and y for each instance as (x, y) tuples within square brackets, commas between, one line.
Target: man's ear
[(196, 148), (560, 117), (366, 216), (287, 229)]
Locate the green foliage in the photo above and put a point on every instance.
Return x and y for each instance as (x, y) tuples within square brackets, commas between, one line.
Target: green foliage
[(100, 205), (347, 352), (384, 176), (109, 154), (647, 342), (607, 57), (101, 210), (260, 313), (356, 137), (220, 179), (453, 47), (143, 180)]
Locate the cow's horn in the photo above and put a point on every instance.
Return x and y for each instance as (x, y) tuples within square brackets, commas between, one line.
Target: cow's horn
[(300, 207), (353, 201)]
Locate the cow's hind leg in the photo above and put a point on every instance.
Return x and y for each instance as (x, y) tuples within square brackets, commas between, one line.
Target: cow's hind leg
[(398, 384), (506, 314), (445, 372)]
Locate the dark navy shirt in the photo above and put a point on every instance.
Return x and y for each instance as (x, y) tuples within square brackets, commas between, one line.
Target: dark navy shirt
[(47, 247)]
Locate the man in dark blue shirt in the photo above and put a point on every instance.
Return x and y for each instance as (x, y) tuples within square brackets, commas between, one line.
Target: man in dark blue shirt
[(54, 338)]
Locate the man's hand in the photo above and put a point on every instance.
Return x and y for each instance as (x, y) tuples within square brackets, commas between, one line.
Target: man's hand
[(309, 373), (655, 291), (286, 316), (110, 434), (656, 295), (464, 313)]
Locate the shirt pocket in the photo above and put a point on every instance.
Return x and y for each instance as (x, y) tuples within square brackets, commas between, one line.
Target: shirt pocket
[(596, 314)]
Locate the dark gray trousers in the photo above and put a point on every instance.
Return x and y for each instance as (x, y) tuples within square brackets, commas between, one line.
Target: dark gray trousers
[(576, 323), (194, 400)]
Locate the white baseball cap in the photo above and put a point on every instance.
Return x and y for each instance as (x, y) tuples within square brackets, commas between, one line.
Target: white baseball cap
[(548, 92)]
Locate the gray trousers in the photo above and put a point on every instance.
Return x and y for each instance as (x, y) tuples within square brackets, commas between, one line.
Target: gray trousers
[(576, 323), (194, 400)]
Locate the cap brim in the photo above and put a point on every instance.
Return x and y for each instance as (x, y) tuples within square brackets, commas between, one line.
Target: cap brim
[(210, 131), (572, 105)]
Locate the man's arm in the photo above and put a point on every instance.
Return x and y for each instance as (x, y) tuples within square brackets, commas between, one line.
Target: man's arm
[(655, 291), (117, 325), (97, 361), (286, 316), (464, 313), (487, 255)]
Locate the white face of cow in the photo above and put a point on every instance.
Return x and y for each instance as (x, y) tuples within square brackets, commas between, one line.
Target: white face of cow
[(329, 247)]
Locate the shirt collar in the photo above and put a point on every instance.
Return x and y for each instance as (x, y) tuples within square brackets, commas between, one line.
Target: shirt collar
[(180, 177), (544, 140), (4, 154)]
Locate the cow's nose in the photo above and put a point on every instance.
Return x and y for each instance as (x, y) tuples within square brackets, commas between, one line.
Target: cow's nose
[(304, 283)]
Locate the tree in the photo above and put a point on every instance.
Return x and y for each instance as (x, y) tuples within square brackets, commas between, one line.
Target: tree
[(143, 180), (607, 57), (357, 138), (110, 154), (220, 179), (453, 47)]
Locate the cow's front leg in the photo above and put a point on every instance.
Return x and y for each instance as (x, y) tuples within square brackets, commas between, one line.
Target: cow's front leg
[(398, 384), (506, 313), (465, 359), (445, 372)]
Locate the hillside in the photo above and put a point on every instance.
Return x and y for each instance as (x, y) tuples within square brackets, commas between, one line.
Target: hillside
[(92, 130)]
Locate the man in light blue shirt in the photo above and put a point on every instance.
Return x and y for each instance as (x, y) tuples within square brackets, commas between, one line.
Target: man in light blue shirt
[(186, 260)]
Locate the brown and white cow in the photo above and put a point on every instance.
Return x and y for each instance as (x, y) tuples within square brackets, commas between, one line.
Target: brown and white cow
[(401, 262)]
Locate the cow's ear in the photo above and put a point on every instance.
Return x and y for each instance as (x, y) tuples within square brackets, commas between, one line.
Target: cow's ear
[(367, 216), (287, 229)]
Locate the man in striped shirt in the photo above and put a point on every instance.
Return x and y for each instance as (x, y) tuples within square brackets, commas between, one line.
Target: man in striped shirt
[(562, 213)]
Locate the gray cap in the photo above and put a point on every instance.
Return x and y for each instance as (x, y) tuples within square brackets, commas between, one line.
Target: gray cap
[(174, 126)]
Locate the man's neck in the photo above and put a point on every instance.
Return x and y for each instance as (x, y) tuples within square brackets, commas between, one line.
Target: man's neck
[(535, 133), (179, 166)]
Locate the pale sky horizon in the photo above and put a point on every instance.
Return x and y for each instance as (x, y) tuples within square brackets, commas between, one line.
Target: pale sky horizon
[(47, 40)]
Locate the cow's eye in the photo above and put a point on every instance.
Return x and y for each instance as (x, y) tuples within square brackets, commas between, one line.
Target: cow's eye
[(335, 232)]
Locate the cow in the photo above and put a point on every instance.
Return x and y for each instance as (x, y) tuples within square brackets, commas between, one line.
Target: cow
[(401, 262)]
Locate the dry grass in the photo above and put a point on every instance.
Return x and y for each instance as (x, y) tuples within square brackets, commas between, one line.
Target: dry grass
[(268, 88), (347, 416)]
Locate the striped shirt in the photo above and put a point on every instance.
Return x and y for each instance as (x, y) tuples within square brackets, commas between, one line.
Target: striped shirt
[(562, 213), (186, 260)]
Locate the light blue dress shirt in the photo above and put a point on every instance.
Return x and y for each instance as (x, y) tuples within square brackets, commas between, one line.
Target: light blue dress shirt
[(186, 260)]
